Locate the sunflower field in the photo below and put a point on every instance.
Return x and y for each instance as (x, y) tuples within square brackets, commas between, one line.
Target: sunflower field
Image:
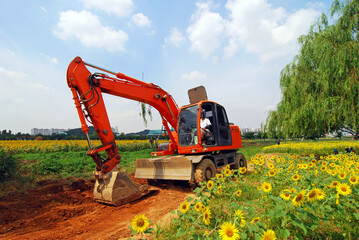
[(318, 148), (278, 197), (50, 146)]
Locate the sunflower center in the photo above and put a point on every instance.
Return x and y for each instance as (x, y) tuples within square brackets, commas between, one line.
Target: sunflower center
[(229, 232), (140, 222), (298, 198), (344, 189), (312, 194)]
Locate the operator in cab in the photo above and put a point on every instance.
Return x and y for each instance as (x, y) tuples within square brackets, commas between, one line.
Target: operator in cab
[(204, 123)]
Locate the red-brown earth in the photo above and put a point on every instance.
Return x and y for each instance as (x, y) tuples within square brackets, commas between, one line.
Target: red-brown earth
[(66, 210)]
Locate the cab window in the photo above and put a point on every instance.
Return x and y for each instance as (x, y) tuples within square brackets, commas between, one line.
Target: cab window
[(187, 126)]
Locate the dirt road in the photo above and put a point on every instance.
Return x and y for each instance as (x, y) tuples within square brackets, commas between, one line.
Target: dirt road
[(58, 210)]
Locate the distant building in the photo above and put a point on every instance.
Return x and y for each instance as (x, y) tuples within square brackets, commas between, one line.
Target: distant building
[(47, 131), (245, 130), (51, 131)]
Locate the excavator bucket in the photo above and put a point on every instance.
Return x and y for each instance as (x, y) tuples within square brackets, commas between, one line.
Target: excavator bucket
[(117, 188), (171, 168)]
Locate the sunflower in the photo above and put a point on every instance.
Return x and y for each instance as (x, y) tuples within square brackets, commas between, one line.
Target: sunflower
[(228, 171), (203, 208), (269, 235), (240, 214), (207, 215), (271, 165), (239, 193), (255, 220), (285, 196), (184, 207), (299, 199), (267, 187), (342, 175), (320, 194), (140, 223), (344, 189), (271, 172), (228, 231), (198, 206), (312, 195), (219, 189), (293, 190), (210, 184), (354, 179), (259, 187), (228, 166), (323, 168), (219, 176), (242, 170), (334, 184), (296, 177)]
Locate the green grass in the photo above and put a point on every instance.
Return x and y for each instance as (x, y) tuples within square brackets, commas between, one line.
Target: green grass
[(70, 164), (251, 149)]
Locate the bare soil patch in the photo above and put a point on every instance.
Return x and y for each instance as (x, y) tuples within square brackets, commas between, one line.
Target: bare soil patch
[(59, 210)]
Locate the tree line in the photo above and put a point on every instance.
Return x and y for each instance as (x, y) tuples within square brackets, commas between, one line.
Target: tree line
[(75, 134)]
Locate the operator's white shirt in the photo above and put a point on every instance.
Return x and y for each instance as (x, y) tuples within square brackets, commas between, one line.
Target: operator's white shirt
[(205, 122)]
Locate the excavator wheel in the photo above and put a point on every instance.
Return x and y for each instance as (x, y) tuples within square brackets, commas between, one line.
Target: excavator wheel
[(205, 170), (240, 161)]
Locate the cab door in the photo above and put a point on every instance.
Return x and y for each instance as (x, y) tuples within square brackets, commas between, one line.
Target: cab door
[(224, 130)]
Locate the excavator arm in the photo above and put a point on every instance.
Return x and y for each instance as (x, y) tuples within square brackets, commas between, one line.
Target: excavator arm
[(87, 89), (112, 186)]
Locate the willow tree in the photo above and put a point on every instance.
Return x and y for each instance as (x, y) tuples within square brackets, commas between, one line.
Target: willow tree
[(320, 88)]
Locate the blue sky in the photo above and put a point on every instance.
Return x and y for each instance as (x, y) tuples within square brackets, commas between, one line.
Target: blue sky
[(235, 48)]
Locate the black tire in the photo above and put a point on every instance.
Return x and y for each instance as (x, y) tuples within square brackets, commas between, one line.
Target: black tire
[(240, 161), (205, 170)]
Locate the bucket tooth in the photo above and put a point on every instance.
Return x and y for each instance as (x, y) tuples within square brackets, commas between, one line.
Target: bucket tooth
[(117, 188)]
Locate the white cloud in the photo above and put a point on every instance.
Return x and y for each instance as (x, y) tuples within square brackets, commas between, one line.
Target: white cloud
[(6, 53), (253, 25), (49, 59), (44, 10), (194, 76), (206, 30), (87, 28), (270, 108), (176, 38), (120, 8), (267, 31), (13, 74), (141, 20)]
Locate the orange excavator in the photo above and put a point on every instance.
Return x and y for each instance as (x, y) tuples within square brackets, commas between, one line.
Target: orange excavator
[(194, 153)]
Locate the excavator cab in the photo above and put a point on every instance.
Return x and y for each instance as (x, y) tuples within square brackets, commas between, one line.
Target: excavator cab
[(218, 133)]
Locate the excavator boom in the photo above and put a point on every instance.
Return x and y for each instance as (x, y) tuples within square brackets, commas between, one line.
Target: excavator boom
[(193, 154), (112, 186)]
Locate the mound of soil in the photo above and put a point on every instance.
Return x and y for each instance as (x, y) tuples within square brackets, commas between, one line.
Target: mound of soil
[(59, 210)]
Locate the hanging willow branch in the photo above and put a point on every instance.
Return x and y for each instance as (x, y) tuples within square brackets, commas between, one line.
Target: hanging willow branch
[(320, 88), (145, 111)]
